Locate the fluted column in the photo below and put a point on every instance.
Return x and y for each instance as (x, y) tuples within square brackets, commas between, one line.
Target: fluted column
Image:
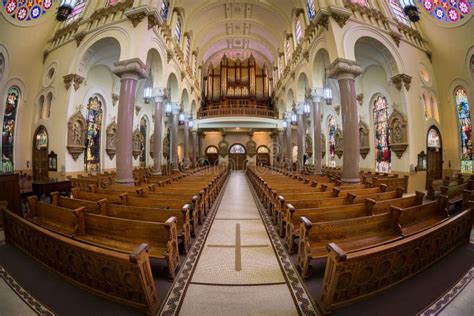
[(195, 148), (186, 145), (174, 139), (345, 71), (129, 71), (300, 138), (316, 95), (158, 140)]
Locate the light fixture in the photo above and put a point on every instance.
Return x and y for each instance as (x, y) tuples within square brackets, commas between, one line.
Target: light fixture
[(65, 9), (306, 108), (327, 89), (410, 9), (168, 108), (285, 123), (294, 118), (182, 117)]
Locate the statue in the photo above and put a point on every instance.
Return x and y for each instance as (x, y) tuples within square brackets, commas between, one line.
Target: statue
[(77, 133), (397, 132)]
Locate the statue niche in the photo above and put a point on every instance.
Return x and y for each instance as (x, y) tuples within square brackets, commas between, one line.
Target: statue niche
[(152, 145), (323, 145), (111, 148), (364, 139), (339, 143), (309, 145), (76, 135), (398, 133), (137, 143)]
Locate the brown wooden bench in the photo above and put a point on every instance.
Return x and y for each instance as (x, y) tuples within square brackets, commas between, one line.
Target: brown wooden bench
[(383, 206), (355, 276), (455, 192), (145, 214), (112, 233), (352, 234), (392, 183)]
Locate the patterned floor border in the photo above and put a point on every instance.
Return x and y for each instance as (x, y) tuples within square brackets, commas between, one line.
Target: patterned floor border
[(439, 305), (26, 297), (172, 303), (302, 299)]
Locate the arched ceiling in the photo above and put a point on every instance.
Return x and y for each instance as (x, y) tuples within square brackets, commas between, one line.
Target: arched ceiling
[(238, 28)]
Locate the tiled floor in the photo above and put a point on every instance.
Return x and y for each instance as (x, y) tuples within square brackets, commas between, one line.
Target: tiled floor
[(238, 263)]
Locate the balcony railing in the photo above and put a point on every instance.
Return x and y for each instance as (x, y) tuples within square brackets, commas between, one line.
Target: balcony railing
[(238, 111)]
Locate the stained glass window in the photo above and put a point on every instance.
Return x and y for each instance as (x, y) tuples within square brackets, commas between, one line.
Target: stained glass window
[(465, 129), (94, 124), (237, 149), (177, 29), (287, 50), (8, 131), (332, 128), (211, 150), (362, 3), (26, 10), (382, 150), (311, 9), (111, 3), (298, 30), (433, 139), (77, 12), (188, 49), (448, 10), (143, 128), (41, 139), (398, 13), (263, 150), (165, 7)]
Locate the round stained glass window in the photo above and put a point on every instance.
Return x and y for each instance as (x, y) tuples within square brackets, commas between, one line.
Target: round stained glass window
[(448, 10), (26, 10)]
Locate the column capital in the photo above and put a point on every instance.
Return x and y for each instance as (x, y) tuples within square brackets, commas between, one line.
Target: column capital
[(73, 78), (344, 69), (316, 94), (159, 94), (130, 69)]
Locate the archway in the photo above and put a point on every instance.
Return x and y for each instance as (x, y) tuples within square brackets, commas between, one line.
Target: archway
[(263, 156), (237, 156), (94, 116), (434, 156), (40, 153), (212, 155)]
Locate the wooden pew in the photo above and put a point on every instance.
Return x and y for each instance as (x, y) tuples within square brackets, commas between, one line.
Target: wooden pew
[(455, 192), (112, 233), (392, 183), (88, 267), (104, 208), (379, 207), (355, 276), (415, 219), (352, 234)]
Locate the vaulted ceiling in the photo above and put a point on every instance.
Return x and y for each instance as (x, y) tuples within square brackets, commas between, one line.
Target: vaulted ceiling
[(238, 28)]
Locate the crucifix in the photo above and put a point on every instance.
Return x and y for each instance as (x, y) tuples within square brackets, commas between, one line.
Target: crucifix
[(238, 248)]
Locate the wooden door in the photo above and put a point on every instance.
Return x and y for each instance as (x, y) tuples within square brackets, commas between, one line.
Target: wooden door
[(212, 158), (40, 154), (237, 161), (263, 159)]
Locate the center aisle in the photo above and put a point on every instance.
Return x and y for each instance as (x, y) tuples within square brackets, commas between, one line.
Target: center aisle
[(235, 270)]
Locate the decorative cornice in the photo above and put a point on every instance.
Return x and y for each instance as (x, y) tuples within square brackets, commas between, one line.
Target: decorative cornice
[(136, 15), (79, 37), (73, 78), (402, 79), (322, 18), (134, 68), (344, 68), (396, 37), (340, 15)]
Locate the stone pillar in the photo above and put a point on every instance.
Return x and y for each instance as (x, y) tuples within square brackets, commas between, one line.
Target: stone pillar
[(289, 149), (317, 138), (195, 148), (129, 71), (174, 139), (158, 140), (280, 145), (186, 145), (345, 71), (300, 138)]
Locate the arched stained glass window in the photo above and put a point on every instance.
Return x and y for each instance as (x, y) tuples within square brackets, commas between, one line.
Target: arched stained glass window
[(2, 66), (211, 150), (311, 9), (434, 140), (26, 10), (77, 12), (382, 150), (110, 3), (448, 10), (263, 150), (298, 30), (8, 131), (165, 7), (362, 3), (287, 50), (237, 149), (465, 129), (398, 13), (94, 125), (187, 51), (177, 29), (332, 128), (143, 128)]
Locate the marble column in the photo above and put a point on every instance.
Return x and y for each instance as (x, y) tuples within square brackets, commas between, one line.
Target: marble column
[(195, 148), (345, 71), (289, 148), (186, 145), (317, 138), (174, 139), (300, 138), (158, 140), (280, 145), (129, 71)]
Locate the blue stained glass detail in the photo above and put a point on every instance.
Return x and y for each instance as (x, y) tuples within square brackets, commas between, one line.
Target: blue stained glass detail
[(93, 127), (8, 131)]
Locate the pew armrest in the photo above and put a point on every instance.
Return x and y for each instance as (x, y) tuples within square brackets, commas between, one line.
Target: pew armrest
[(339, 254)]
